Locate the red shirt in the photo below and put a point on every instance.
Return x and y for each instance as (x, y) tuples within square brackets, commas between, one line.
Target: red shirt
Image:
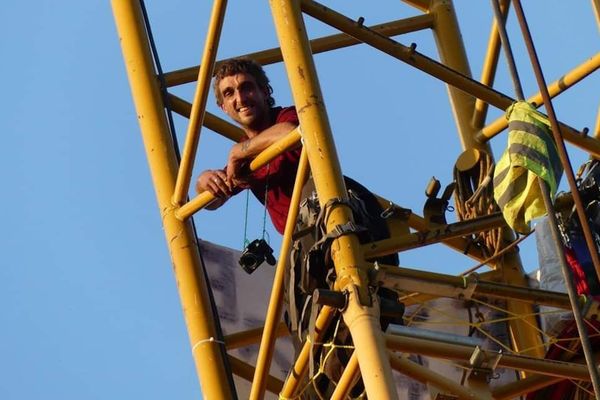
[(278, 177)]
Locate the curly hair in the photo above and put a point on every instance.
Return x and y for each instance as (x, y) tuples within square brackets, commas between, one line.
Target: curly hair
[(238, 65)]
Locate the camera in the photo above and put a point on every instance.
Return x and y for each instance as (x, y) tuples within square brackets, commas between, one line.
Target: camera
[(255, 254)]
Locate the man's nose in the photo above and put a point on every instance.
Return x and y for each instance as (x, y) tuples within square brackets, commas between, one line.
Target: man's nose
[(240, 96)]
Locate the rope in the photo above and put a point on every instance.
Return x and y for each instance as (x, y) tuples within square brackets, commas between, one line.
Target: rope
[(246, 241), (264, 228), (474, 197), (497, 254)]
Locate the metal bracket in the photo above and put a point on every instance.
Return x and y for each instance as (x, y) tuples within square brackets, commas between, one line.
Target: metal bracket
[(441, 396), (483, 363), (591, 309), (435, 208)]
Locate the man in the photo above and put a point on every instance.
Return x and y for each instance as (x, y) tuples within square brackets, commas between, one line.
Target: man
[(243, 92)]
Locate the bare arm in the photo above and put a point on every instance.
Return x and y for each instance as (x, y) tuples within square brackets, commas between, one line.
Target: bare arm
[(245, 151)]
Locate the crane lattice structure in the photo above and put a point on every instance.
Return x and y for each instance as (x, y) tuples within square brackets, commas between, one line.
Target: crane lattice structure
[(375, 353)]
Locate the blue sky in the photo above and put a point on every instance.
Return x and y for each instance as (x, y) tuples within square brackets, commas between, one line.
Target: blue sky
[(89, 304)]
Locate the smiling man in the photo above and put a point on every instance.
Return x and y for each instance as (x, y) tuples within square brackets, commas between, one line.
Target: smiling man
[(243, 92)]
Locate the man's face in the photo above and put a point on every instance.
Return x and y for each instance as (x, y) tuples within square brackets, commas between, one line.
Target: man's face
[(244, 101)]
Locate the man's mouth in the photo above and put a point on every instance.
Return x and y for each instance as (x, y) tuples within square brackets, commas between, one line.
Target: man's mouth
[(244, 109)]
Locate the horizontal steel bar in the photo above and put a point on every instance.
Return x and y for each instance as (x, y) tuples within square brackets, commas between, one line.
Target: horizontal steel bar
[(426, 376), (555, 88), (211, 121), (463, 353), (435, 235), (203, 199), (246, 371), (434, 68), (410, 331), (251, 336), (434, 283), (320, 45), (530, 384)]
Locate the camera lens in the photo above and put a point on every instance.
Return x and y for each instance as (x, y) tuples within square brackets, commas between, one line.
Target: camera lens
[(249, 262)]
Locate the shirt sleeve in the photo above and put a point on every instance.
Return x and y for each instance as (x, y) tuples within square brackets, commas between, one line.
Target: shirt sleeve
[(288, 114)]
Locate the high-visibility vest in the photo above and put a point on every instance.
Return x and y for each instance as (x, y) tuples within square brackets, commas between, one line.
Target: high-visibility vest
[(531, 153)]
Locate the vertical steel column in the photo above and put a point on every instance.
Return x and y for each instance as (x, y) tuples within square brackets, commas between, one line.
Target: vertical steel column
[(207, 348), (597, 127), (558, 138), (452, 53), (361, 315), (571, 290), (488, 73), (273, 318), (192, 136)]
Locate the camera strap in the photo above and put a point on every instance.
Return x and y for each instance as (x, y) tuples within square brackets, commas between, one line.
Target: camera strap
[(265, 234)]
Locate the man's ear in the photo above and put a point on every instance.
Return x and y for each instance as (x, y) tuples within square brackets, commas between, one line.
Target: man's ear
[(266, 92)]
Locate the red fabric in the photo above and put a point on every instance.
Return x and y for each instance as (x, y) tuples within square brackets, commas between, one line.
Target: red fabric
[(279, 175), (579, 278), (565, 389), (568, 339)]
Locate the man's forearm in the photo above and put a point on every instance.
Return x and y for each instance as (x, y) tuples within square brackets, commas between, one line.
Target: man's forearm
[(255, 145)]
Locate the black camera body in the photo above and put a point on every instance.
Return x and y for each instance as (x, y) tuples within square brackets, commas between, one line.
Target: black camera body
[(255, 254)]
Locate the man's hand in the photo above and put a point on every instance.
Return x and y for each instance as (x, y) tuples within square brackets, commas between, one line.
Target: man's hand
[(238, 159), (215, 182)]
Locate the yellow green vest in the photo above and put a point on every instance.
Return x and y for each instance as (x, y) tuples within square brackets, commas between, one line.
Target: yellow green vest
[(531, 153)]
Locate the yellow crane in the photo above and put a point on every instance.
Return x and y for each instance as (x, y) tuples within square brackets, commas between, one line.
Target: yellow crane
[(377, 356)]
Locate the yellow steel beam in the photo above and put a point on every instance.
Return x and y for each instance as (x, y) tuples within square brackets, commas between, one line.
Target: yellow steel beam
[(435, 69), (434, 235), (211, 121), (246, 371), (207, 347), (521, 387), (320, 45), (443, 285), (422, 5), (461, 245), (490, 64), (410, 299), (192, 137), (252, 336), (453, 55), (597, 128), (298, 371), (360, 316), (426, 376), (267, 343), (282, 145), (449, 351), (347, 380), (554, 89)]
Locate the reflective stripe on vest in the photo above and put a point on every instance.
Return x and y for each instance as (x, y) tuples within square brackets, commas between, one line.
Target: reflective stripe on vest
[(531, 153)]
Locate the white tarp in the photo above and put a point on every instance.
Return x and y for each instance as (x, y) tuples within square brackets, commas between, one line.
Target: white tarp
[(242, 302)]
